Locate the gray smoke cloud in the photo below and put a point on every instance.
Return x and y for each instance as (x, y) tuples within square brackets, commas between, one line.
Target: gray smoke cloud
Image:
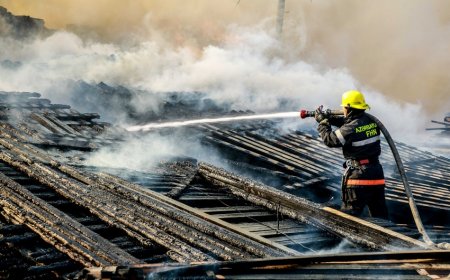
[(398, 47), (146, 152), (248, 67)]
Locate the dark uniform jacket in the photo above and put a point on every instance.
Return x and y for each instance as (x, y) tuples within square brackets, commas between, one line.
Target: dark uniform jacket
[(359, 137), (363, 181)]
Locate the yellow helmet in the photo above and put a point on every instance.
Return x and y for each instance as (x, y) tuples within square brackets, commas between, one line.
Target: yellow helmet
[(354, 99)]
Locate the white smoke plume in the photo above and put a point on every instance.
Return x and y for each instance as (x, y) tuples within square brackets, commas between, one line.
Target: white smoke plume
[(242, 64), (144, 153)]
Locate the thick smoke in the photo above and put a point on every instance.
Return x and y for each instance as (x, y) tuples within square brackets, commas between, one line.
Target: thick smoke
[(144, 153), (396, 47), (228, 50)]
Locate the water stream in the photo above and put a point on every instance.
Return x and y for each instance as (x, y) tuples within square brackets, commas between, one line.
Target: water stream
[(151, 126)]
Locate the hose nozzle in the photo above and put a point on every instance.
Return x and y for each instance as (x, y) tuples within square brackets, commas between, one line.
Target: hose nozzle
[(305, 113)]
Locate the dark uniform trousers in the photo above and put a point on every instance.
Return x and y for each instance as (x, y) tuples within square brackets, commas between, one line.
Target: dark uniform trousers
[(359, 197), (363, 181), (364, 186)]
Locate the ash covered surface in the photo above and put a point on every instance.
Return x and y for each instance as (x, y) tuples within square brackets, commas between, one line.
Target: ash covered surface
[(120, 103), (39, 138), (290, 161)]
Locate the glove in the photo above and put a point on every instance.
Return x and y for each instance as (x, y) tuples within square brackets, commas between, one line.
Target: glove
[(319, 115)]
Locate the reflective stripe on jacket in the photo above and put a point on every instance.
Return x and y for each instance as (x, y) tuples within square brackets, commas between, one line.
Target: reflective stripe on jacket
[(359, 138)]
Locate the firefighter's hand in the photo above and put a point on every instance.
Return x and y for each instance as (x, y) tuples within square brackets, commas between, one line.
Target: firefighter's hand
[(319, 115)]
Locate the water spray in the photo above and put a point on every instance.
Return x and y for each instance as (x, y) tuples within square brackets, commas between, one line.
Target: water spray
[(401, 169), (305, 114), (151, 126)]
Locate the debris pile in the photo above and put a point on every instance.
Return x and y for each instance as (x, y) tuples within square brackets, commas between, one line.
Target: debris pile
[(58, 217)]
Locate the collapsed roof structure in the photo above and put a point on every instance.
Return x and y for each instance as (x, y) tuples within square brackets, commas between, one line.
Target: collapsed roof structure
[(266, 207), (270, 213)]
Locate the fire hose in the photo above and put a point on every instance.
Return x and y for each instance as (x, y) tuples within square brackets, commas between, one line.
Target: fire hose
[(401, 169)]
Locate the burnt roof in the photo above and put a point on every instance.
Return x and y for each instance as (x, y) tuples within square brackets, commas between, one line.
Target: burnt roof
[(185, 211)]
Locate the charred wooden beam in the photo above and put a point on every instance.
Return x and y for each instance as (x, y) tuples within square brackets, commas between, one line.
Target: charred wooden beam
[(287, 150), (265, 150), (354, 229), (310, 148), (191, 170), (380, 265), (62, 125), (206, 223), (177, 190), (69, 143), (121, 214), (151, 220), (250, 245), (66, 234), (159, 203), (75, 116), (23, 149), (41, 119), (285, 168), (13, 133), (112, 209), (165, 206)]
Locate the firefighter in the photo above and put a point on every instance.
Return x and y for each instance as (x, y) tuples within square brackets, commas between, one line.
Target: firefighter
[(363, 180)]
